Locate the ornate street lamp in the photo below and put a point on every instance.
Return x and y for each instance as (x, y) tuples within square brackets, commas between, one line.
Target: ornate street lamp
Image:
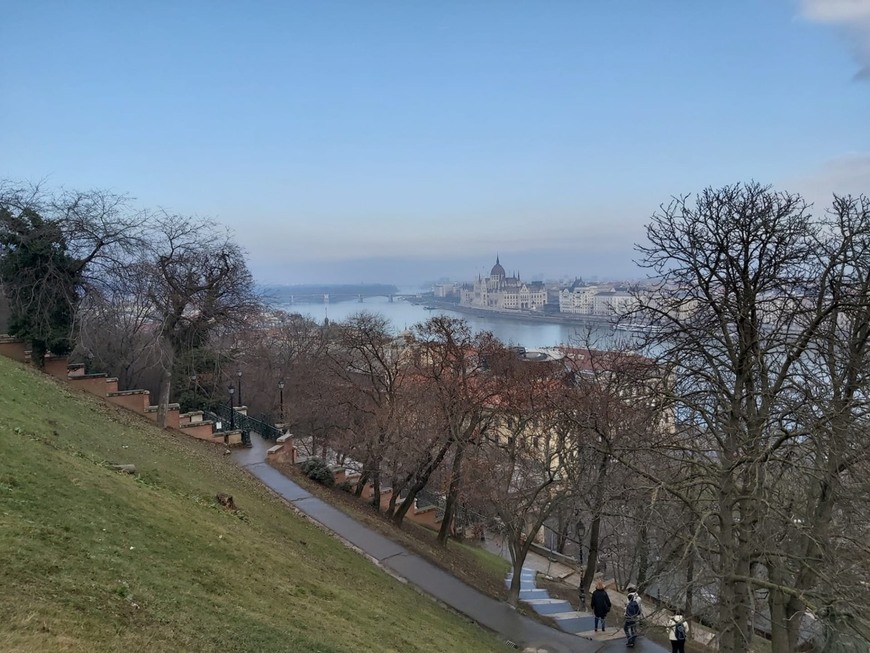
[(232, 409), (239, 374), (281, 400)]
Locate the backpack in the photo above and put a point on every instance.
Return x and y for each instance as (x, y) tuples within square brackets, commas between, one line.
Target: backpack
[(680, 631), (632, 609)]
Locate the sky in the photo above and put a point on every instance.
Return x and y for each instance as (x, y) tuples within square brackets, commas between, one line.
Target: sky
[(411, 140)]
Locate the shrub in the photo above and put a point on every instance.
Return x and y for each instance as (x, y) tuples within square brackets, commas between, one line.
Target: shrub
[(317, 470)]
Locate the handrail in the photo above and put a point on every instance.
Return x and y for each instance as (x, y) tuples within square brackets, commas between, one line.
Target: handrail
[(248, 423)]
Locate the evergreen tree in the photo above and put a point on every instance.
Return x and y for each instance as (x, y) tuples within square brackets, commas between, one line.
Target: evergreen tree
[(40, 280)]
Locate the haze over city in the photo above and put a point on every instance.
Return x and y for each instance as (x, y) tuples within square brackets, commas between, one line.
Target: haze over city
[(403, 142)]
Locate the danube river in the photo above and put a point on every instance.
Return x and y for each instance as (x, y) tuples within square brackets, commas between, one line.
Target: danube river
[(404, 315)]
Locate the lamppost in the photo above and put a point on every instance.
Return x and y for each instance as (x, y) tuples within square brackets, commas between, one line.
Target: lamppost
[(281, 398), (239, 374), (232, 409)]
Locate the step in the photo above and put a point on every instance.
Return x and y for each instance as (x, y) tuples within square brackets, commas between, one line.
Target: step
[(524, 576), (550, 606), (530, 574), (525, 584), (525, 595), (573, 622)]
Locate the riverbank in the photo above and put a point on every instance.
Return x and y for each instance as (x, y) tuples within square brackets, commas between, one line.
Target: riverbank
[(533, 317)]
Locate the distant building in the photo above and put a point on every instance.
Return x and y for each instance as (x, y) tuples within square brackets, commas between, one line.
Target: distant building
[(597, 300), (578, 298), (500, 292), (443, 290)]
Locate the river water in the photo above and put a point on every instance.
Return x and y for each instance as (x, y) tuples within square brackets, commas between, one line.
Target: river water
[(403, 315)]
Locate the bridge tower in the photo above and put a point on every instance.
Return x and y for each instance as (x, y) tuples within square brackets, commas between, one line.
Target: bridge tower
[(359, 298), (391, 299)]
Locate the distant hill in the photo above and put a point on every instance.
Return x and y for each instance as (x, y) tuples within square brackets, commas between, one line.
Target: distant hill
[(92, 559), (283, 294)]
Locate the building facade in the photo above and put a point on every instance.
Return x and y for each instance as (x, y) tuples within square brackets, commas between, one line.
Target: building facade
[(499, 292), (598, 301)]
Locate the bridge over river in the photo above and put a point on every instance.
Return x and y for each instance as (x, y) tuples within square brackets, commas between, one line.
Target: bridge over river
[(326, 298)]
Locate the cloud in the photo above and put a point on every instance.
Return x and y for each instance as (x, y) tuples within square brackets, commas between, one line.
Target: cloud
[(845, 175), (852, 17)]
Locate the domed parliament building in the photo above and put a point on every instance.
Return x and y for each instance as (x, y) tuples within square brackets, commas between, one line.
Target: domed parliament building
[(500, 292)]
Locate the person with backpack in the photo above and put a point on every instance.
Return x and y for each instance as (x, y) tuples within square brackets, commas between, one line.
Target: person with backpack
[(600, 604), (633, 614), (678, 631)]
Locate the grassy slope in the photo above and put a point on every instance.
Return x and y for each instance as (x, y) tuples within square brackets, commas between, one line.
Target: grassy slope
[(95, 560)]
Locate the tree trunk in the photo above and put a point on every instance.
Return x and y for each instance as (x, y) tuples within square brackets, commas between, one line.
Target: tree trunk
[(376, 491), (38, 350), (519, 548), (421, 482), (513, 596), (452, 494), (592, 559), (690, 588), (361, 484), (643, 557), (734, 612), (595, 526), (776, 601), (391, 506), (163, 402)]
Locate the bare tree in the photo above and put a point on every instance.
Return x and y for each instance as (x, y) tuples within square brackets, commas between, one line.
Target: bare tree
[(367, 361), (117, 331), (56, 247), (198, 282), (454, 365), (747, 282), (523, 467)]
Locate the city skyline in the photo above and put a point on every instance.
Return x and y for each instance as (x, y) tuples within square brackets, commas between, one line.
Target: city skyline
[(382, 141)]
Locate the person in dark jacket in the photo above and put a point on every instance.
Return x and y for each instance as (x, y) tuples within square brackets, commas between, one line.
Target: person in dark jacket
[(600, 604)]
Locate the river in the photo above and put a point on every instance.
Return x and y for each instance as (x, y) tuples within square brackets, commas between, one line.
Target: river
[(403, 315)]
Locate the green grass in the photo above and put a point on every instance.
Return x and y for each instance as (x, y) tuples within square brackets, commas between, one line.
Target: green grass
[(489, 562), (95, 560)]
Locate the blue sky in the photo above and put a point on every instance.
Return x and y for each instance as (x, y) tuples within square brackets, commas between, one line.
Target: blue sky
[(404, 141)]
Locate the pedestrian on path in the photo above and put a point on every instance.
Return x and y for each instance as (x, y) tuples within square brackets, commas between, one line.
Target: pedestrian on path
[(632, 616), (678, 631), (600, 604)]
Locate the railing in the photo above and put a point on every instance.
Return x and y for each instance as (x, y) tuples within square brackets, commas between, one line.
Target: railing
[(246, 423)]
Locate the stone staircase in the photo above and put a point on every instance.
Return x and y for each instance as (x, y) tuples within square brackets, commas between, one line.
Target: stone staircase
[(134, 400), (560, 611)]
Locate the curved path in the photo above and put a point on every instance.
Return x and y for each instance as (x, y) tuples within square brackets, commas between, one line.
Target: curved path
[(489, 613)]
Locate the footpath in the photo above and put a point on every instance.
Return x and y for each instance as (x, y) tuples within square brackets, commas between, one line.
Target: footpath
[(497, 616)]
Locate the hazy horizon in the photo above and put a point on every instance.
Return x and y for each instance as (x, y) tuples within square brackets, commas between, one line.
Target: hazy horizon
[(376, 141)]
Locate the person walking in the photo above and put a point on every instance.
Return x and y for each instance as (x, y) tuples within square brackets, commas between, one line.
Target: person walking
[(600, 604), (678, 631), (632, 616)]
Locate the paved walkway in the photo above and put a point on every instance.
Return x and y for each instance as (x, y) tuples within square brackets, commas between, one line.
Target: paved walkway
[(494, 615), (613, 638)]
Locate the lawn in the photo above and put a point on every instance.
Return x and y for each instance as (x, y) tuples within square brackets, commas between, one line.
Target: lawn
[(92, 559), (474, 565)]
